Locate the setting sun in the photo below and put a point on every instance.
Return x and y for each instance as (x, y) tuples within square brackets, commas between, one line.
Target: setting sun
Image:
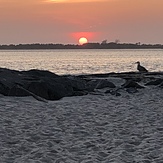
[(83, 40)]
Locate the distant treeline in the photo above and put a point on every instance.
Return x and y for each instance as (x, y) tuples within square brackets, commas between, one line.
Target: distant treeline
[(111, 45)]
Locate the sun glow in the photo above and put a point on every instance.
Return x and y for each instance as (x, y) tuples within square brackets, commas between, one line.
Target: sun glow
[(57, 1), (83, 40)]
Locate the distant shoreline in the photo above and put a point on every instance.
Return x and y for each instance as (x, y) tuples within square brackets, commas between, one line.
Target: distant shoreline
[(111, 45)]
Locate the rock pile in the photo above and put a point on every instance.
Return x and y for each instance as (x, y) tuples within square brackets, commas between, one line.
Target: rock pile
[(43, 84)]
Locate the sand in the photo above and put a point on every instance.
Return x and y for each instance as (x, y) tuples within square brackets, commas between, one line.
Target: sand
[(96, 128)]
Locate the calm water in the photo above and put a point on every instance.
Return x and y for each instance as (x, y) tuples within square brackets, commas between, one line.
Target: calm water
[(81, 61)]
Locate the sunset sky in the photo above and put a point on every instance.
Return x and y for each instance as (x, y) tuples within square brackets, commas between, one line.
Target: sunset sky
[(65, 21)]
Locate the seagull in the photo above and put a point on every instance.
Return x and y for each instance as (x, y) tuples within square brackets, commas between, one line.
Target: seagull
[(141, 68)]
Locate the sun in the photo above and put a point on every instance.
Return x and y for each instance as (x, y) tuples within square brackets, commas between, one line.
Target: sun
[(83, 40)]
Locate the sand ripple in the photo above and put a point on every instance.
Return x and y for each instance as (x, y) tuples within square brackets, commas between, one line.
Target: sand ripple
[(89, 129)]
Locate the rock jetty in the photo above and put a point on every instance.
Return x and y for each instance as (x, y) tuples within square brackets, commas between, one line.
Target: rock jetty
[(45, 85)]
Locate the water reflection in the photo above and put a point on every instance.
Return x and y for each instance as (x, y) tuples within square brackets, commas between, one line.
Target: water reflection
[(82, 61)]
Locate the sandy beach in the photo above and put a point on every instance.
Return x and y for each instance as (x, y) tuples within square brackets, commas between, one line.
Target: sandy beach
[(95, 128)]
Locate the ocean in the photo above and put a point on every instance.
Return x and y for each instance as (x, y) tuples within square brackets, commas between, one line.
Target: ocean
[(82, 61)]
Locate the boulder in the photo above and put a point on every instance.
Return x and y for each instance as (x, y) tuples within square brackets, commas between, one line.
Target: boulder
[(44, 85), (57, 91), (103, 83), (51, 89), (131, 90), (40, 73), (80, 93), (99, 84), (91, 85), (113, 92), (40, 88), (117, 81), (155, 82), (131, 84), (18, 91), (161, 85), (4, 89), (77, 84), (39, 82)]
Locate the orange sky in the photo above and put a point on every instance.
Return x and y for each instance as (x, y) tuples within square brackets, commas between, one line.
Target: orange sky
[(64, 21)]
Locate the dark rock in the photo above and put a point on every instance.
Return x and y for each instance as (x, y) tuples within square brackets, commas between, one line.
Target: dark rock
[(40, 73), (161, 85), (104, 84), (155, 82), (39, 88), (18, 91), (77, 83), (91, 85), (131, 84), (4, 89), (50, 90), (80, 93), (113, 92), (43, 84), (117, 94), (108, 91), (99, 84), (131, 90), (58, 91)]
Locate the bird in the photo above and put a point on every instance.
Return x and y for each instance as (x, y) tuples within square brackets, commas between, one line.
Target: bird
[(141, 68)]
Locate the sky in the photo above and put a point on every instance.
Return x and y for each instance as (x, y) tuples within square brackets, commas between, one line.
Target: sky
[(65, 21)]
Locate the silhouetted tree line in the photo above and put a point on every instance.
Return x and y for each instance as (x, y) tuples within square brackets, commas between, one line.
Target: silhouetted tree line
[(103, 45)]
